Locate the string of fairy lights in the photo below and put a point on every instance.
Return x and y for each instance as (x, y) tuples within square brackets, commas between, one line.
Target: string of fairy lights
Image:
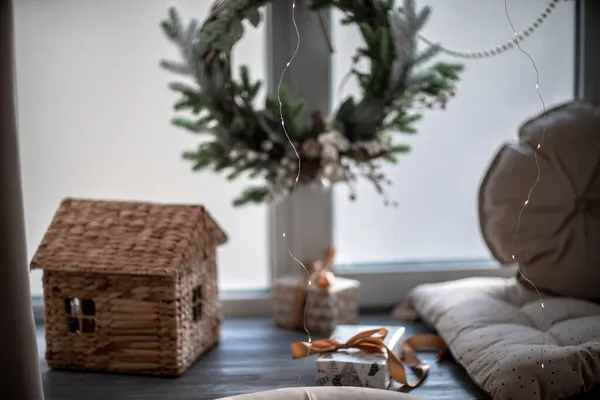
[(538, 172), (515, 42), (289, 204)]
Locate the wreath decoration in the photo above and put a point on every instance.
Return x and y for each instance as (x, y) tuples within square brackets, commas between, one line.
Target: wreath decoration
[(398, 84)]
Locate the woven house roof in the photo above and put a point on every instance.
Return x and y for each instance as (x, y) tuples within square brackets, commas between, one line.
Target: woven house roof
[(120, 237)]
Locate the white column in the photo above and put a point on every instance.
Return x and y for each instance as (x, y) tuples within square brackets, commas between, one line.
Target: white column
[(308, 224)]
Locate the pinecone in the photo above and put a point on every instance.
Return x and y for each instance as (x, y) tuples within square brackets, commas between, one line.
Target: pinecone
[(311, 148), (310, 169), (318, 124)]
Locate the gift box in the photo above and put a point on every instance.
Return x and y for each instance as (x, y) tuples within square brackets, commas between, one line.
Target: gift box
[(322, 309), (317, 302), (355, 367)]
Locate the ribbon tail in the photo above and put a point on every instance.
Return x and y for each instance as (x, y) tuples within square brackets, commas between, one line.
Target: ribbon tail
[(398, 373), (306, 349), (409, 355), (421, 342), (300, 350)]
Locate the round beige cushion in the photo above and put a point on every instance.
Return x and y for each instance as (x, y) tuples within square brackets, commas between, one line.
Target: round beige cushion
[(558, 240), (326, 393)]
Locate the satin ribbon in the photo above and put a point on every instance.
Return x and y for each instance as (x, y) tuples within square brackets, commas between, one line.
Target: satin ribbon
[(323, 278), (372, 341), (320, 271)]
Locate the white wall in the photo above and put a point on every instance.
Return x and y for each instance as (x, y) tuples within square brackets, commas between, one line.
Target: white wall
[(436, 185), (94, 113)]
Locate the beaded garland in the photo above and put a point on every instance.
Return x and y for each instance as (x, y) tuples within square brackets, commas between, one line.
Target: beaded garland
[(513, 43)]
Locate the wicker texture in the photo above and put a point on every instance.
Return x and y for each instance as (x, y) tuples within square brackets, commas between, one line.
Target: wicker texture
[(107, 311), (131, 238)]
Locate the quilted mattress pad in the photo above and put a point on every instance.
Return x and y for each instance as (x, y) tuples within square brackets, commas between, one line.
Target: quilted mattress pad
[(510, 345)]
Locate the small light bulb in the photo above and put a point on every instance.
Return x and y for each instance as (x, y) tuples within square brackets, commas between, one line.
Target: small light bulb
[(537, 86), (283, 234), (513, 256), (526, 202), (542, 305), (542, 365), (309, 283), (297, 179), (309, 340), (287, 65), (539, 145)]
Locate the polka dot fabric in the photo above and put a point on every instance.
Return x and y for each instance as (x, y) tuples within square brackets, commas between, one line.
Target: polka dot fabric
[(495, 328)]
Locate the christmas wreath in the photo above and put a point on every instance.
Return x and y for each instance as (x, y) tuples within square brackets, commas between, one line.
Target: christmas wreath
[(397, 85)]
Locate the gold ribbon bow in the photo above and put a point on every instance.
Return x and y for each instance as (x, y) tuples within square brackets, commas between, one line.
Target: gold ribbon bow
[(372, 341), (320, 271)]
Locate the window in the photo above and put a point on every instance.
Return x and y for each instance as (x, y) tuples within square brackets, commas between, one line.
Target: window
[(80, 315), (197, 300), (436, 184), (433, 235), (113, 139), (106, 113)]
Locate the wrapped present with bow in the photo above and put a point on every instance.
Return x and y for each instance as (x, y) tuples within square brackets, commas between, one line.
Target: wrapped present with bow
[(371, 357), (318, 302)]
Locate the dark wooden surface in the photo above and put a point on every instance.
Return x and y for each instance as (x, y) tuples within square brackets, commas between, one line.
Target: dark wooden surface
[(253, 355)]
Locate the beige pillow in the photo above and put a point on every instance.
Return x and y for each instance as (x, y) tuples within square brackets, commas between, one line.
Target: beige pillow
[(495, 328), (326, 393), (558, 242)]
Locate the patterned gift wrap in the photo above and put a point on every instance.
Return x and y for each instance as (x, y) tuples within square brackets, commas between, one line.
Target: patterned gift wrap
[(352, 367), (325, 308)]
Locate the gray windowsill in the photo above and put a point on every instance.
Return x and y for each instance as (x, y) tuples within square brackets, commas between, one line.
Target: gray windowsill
[(416, 266), (383, 285)]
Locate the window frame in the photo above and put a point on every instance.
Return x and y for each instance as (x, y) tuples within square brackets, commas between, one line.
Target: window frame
[(74, 309), (382, 285), (308, 222), (310, 217)]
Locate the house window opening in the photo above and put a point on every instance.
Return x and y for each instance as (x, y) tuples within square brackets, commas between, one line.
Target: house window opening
[(197, 301), (81, 315)]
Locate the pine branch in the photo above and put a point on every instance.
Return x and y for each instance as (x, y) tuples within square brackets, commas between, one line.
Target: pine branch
[(200, 125), (426, 55), (250, 195), (399, 149), (403, 123), (224, 107), (175, 67)]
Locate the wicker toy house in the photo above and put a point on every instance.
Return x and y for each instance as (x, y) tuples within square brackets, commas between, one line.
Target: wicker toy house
[(129, 287)]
